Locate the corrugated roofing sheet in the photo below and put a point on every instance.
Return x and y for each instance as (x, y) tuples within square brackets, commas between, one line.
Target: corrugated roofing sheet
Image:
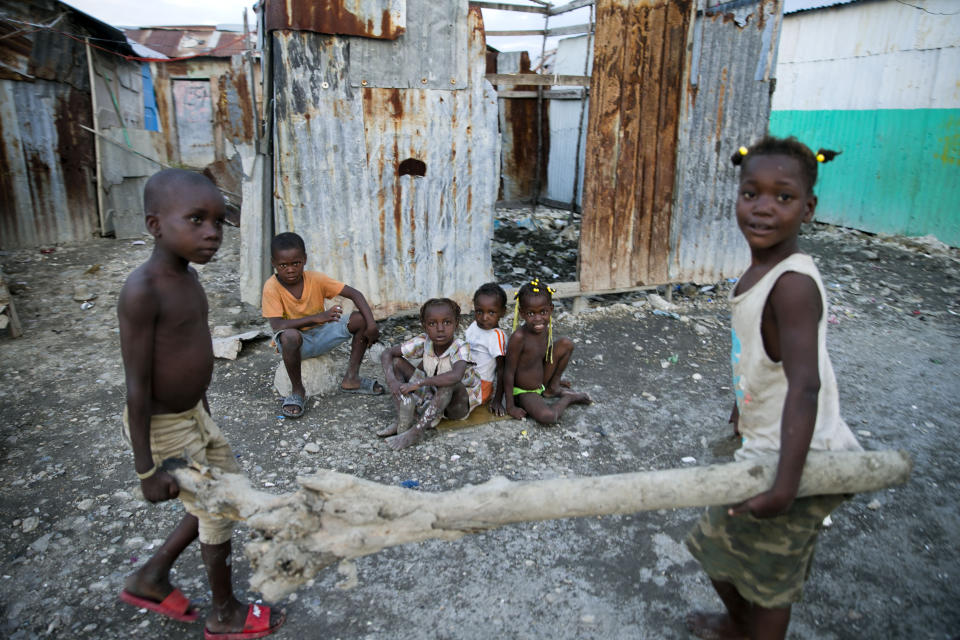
[(176, 42), (386, 19), (795, 6)]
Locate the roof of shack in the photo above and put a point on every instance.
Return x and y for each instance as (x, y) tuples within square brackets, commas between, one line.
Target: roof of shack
[(192, 40)]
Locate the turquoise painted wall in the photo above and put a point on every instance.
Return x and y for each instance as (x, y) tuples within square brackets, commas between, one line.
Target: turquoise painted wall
[(899, 171)]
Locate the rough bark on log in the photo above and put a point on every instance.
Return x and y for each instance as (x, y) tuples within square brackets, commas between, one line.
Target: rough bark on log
[(335, 516)]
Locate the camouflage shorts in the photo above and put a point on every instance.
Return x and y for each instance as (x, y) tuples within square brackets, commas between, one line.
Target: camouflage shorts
[(768, 559)]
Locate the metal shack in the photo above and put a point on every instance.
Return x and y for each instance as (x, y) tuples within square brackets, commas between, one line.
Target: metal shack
[(675, 86), (51, 159), (382, 148), (204, 92), (384, 144)]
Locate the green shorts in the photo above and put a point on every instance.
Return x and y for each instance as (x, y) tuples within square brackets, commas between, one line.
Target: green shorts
[(767, 559), (517, 390)]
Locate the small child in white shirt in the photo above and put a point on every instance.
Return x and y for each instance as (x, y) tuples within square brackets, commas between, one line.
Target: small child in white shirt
[(488, 343)]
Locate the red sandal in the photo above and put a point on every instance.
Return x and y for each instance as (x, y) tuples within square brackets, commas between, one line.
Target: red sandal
[(175, 605), (256, 626)]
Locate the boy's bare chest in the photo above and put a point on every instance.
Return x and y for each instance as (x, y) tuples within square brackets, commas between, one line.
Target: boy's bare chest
[(183, 308)]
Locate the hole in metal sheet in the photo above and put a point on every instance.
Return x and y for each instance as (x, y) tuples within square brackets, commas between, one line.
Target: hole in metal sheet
[(412, 167)]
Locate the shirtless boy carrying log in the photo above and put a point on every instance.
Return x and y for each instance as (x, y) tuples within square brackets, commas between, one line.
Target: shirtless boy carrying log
[(168, 361)]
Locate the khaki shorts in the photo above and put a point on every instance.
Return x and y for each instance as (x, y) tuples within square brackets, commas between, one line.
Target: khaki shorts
[(193, 434), (766, 559)]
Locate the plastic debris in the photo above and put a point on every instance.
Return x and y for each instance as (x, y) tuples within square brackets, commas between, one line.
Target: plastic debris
[(688, 459), (670, 314), (410, 484)]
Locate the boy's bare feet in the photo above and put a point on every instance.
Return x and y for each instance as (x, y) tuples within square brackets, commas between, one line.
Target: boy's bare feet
[(150, 587), (714, 626), (154, 592), (405, 439)]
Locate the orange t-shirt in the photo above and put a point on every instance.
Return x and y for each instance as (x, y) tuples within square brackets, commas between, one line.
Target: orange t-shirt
[(277, 302)]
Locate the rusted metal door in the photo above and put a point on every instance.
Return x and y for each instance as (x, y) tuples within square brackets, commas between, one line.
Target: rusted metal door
[(636, 94), (194, 114)]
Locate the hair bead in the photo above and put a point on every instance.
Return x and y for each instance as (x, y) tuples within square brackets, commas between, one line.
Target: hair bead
[(821, 157), (742, 151)]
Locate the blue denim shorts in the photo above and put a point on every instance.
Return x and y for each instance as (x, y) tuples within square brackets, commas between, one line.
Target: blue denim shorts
[(320, 339)]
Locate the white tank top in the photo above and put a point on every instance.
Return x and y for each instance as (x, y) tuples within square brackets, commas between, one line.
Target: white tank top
[(760, 384)]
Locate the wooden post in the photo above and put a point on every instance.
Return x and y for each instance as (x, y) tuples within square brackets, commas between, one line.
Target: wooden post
[(96, 137)]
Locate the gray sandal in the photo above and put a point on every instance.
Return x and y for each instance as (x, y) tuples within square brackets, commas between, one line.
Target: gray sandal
[(293, 400)]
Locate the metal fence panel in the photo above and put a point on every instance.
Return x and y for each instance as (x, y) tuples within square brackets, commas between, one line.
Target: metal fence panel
[(726, 105)]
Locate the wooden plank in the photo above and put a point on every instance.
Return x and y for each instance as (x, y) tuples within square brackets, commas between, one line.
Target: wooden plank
[(570, 6), (646, 119), (550, 94), (676, 28), (96, 130), (574, 29), (501, 6), (538, 79), (632, 198), (631, 144), (603, 150)]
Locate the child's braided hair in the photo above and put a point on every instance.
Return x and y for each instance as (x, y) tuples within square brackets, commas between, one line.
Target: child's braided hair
[(790, 147), (535, 289)]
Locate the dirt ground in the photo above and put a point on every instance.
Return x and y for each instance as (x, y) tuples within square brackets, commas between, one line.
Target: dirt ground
[(888, 567)]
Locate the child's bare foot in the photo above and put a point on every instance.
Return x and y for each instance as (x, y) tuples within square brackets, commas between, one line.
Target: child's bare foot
[(387, 431), (405, 439), (714, 626), (554, 390), (576, 398)]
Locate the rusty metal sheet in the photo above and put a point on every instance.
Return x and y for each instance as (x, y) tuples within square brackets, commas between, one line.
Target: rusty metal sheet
[(46, 164), (176, 42), (636, 91), (518, 135), (432, 54), (381, 19), (726, 104), (194, 113), (400, 239), (234, 114)]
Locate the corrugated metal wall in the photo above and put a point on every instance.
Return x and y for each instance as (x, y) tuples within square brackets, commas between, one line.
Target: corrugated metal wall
[(565, 125), (726, 105), (880, 82), (46, 164), (635, 96), (48, 154), (341, 180)]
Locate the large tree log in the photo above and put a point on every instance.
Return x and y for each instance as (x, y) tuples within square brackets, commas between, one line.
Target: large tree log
[(335, 516)]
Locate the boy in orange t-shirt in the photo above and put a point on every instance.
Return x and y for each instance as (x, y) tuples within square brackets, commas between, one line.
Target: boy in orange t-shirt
[(293, 302)]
